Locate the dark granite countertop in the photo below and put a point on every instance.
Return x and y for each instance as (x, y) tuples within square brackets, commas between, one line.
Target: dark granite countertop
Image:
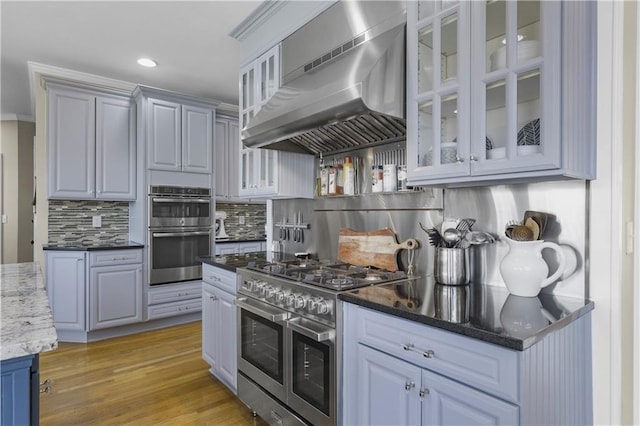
[(93, 246), (241, 240), (231, 262), (479, 311)]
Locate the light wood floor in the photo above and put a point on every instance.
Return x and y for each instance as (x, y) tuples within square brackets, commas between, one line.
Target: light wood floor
[(152, 378)]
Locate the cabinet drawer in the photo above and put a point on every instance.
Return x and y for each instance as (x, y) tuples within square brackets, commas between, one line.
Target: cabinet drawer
[(175, 308), (482, 365), (176, 293), (115, 257), (221, 278)]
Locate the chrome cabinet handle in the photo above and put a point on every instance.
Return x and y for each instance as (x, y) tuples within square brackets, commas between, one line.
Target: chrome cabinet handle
[(473, 158), (409, 385), (213, 297), (424, 392), (459, 159), (428, 354), (407, 346)]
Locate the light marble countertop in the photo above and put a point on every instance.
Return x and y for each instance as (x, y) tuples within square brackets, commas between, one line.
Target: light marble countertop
[(26, 321)]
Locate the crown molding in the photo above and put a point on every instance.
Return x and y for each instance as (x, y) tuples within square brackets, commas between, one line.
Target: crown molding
[(256, 18), (36, 70)]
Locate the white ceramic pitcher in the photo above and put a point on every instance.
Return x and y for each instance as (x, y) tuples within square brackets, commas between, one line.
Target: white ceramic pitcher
[(524, 270)]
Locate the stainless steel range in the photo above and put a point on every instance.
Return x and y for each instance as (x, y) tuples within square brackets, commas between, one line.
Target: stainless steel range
[(290, 320)]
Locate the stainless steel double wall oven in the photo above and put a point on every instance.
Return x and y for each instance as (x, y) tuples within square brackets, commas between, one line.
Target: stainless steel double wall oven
[(180, 228)]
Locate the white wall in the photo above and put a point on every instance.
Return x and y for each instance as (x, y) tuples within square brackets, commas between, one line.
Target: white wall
[(611, 197)]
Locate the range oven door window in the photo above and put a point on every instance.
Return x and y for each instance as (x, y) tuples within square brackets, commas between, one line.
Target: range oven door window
[(261, 345), (313, 379)]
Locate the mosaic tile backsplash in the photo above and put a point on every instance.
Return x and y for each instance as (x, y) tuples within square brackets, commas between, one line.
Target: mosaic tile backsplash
[(255, 218), (71, 221)]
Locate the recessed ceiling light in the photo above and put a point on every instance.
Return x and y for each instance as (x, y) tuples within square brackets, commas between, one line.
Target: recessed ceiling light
[(146, 62)]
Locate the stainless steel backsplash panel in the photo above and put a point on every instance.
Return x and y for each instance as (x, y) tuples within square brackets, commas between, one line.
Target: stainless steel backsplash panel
[(494, 206), (401, 212), (491, 206)]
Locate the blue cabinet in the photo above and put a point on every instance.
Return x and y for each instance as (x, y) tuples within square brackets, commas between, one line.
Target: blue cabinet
[(20, 391)]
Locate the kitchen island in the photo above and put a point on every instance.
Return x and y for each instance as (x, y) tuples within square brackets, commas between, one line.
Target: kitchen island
[(26, 329)]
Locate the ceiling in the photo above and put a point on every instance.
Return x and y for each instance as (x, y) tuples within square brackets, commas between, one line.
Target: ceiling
[(189, 40)]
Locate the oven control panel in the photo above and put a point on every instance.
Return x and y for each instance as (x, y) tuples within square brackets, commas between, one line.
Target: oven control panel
[(293, 297)]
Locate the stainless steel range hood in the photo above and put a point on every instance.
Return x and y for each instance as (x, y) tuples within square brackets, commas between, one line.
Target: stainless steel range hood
[(342, 85)]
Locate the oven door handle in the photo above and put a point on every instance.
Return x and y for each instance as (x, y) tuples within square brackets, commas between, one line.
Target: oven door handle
[(266, 312), (181, 200), (179, 234), (312, 330)]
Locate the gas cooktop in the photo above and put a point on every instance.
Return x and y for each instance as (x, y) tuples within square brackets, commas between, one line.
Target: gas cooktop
[(328, 274)]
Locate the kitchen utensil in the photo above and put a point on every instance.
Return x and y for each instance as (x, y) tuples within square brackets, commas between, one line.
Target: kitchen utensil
[(525, 271), (451, 237), (296, 229), (533, 225), (374, 248), (509, 228), (287, 233), (540, 218), (435, 239), (451, 266), (522, 233), (479, 237), (282, 230), (447, 223), (301, 229)]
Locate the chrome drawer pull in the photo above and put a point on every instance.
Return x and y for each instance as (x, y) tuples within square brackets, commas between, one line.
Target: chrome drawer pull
[(423, 392), (408, 346), (428, 354), (409, 385)]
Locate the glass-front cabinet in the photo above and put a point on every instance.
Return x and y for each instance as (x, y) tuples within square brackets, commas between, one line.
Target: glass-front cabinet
[(258, 82), (488, 95)]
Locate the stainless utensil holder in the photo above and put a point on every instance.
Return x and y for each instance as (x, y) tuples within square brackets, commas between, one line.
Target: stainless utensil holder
[(451, 266)]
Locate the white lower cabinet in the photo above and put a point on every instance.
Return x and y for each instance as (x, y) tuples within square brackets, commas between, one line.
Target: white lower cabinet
[(219, 324), (240, 247), (402, 372), (93, 290), (66, 282), (392, 391), (170, 300), (115, 296)]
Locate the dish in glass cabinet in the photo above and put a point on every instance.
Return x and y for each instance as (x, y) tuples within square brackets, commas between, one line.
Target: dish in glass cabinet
[(529, 134), (527, 49)]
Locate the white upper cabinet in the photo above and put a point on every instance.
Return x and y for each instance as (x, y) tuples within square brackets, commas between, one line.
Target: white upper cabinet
[(179, 131), (91, 144), (265, 172), (498, 90), (226, 152)]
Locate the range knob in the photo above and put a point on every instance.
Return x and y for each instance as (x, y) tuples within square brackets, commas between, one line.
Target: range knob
[(271, 292), (258, 287), (322, 307), (279, 298), (299, 302), (290, 299), (311, 305)]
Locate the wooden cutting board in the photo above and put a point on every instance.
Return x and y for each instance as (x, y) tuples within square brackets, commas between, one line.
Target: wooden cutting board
[(374, 248)]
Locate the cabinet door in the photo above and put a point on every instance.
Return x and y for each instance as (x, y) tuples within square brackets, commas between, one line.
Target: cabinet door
[(247, 172), (247, 94), (438, 89), (19, 399), (516, 85), (71, 144), (210, 305), (446, 402), (268, 76), (115, 149), (164, 146), (387, 390), (197, 139), (66, 289), (266, 164), (115, 296), (226, 339), (233, 158), (221, 163)]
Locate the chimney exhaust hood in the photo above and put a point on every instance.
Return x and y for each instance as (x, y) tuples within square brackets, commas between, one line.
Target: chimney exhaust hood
[(343, 83)]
